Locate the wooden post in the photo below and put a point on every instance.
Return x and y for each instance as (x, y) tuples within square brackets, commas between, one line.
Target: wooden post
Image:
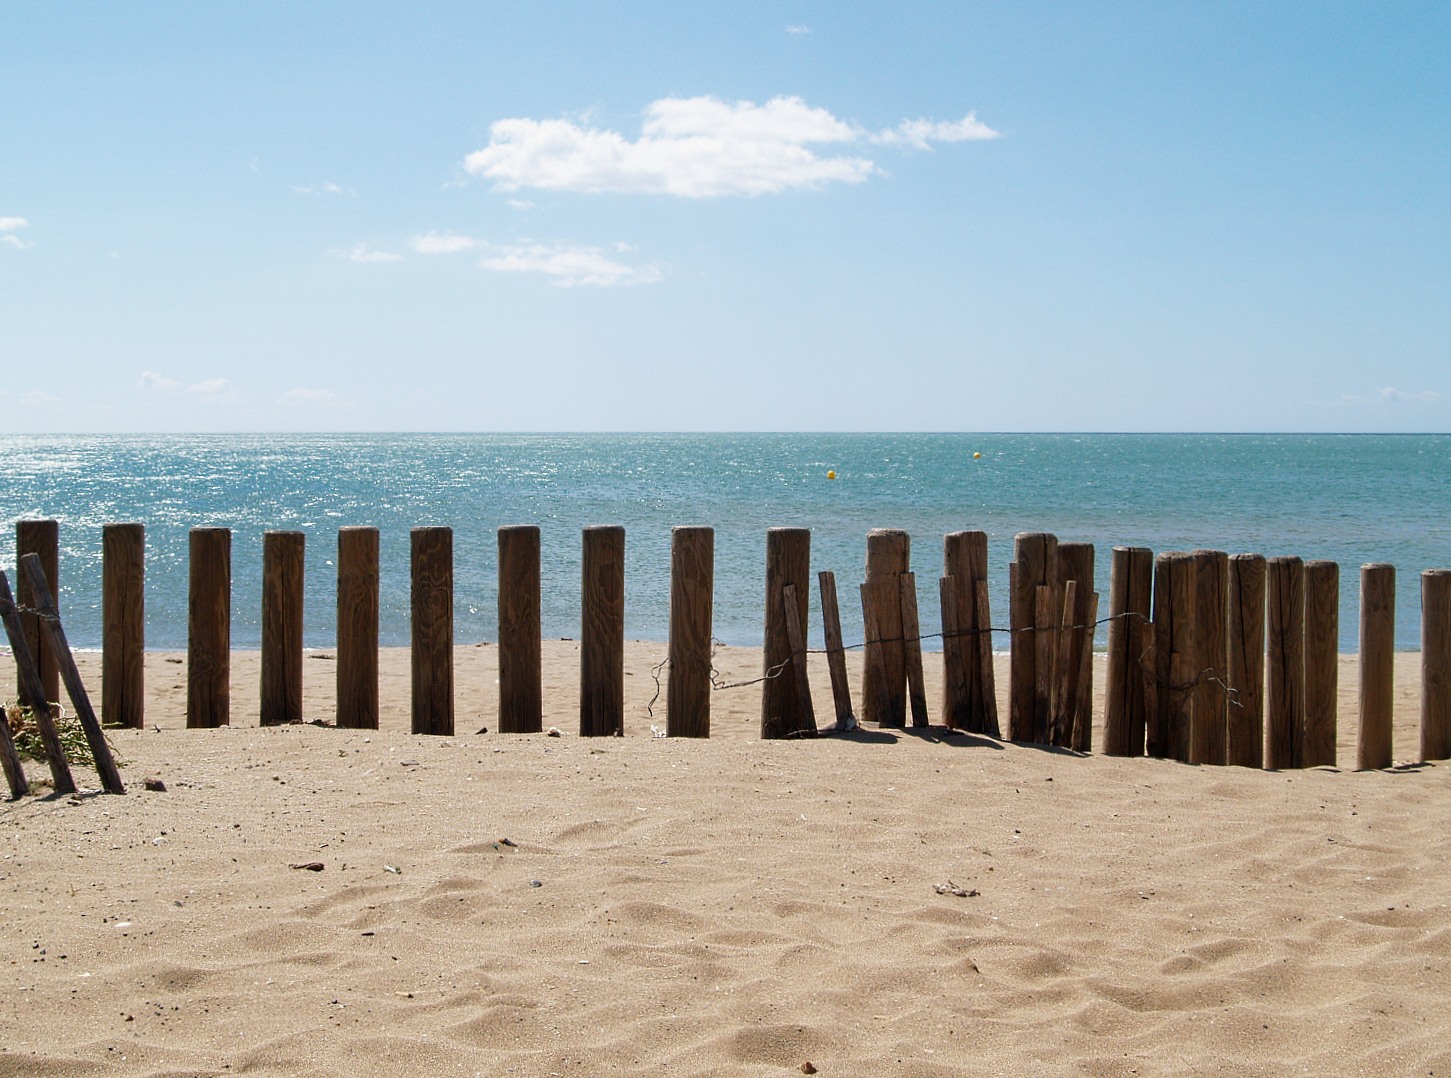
[(40, 537), (692, 580), (796, 640), (888, 557), (1127, 694), (966, 690), (785, 708), (1377, 666), (32, 692), (1322, 658), (1066, 670), (282, 568), (835, 654), (123, 625), (357, 663), (10, 760), (602, 633), (912, 648), (432, 652), (1436, 664), (1285, 663), (959, 656), (521, 696), (1208, 736), (987, 705), (1246, 661), (872, 656), (209, 629), (1035, 565), (32, 567), (1075, 562), (1176, 654)]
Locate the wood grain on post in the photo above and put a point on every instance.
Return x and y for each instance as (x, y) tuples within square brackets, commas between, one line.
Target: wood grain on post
[(1082, 732), (796, 639), (1045, 665), (957, 694), (358, 584), (50, 624), (521, 695), (1126, 696), (912, 648), (1066, 670), (1377, 665), (872, 595), (1076, 563), (987, 705), (1176, 654), (964, 561), (888, 557), (209, 628), (1245, 652), (692, 579), (432, 608), (10, 760), (32, 692), (1322, 659), (1208, 736), (1035, 565), (602, 633), (1284, 663), (40, 537), (1436, 664), (123, 625), (785, 707), (835, 653), (283, 554)]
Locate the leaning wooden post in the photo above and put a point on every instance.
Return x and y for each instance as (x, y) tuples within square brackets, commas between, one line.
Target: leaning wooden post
[(1176, 654), (283, 554), (1035, 565), (785, 695), (10, 761), (209, 629), (123, 625), (888, 557), (1208, 734), (432, 652), (521, 696), (1075, 562), (357, 673), (40, 537), (75, 688), (1246, 658), (1377, 666), (1322, 657), (1127, 694), (602, 633), (32, 693), (1436, 664), (835, 653), (1284, 663), (692, 578)]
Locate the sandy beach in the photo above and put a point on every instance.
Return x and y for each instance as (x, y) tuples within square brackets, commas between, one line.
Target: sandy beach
[(898, 903)]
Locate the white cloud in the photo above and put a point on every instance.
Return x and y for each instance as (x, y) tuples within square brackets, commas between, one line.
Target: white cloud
[(11, 224), (698, 147), (323, 399), (360, 252), (523, 205), (568, 265), (212, 389), (323, 189), (1392, 395), (445, 244), (15, 243), (160, 383), (798, 29)]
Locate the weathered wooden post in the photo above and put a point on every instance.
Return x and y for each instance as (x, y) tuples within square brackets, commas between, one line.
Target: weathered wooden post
[(123, 625), (1377, 666), (521, 699), (692, 578), (1246, 658), (835, 652), (969, 700), (912, 648), (358, 583), (1035, 566), (786, 709), (1128, 695), (1285, 663), (602, 633), (1075, 706), (40, 537), (10, 761), (32, 693), (1322, 658), (1208, 735), (282, 568), (209, 629), (432, 652), (1436, 664), (1176, 654), (884, 675)]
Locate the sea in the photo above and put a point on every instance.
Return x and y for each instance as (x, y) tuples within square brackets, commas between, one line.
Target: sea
[(1351, 499)]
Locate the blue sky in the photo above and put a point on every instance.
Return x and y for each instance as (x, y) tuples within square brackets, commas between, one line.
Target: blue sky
[(745, 216)]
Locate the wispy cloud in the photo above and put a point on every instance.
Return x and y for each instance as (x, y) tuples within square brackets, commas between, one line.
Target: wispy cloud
[(210, 389), (361, 252), (8, 227), (568, 265), (157, 382), (442, 243), (38, 398), (698, 147), (323, 189), (798, 29), (1392, 395)]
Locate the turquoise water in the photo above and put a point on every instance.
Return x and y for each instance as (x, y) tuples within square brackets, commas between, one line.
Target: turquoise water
[(1348, 498)]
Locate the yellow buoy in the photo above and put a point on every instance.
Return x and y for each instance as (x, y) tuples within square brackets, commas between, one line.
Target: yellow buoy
[(831, 475), (977, 456)]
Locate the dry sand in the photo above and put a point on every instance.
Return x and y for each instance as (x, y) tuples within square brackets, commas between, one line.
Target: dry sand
[(728, 906)]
